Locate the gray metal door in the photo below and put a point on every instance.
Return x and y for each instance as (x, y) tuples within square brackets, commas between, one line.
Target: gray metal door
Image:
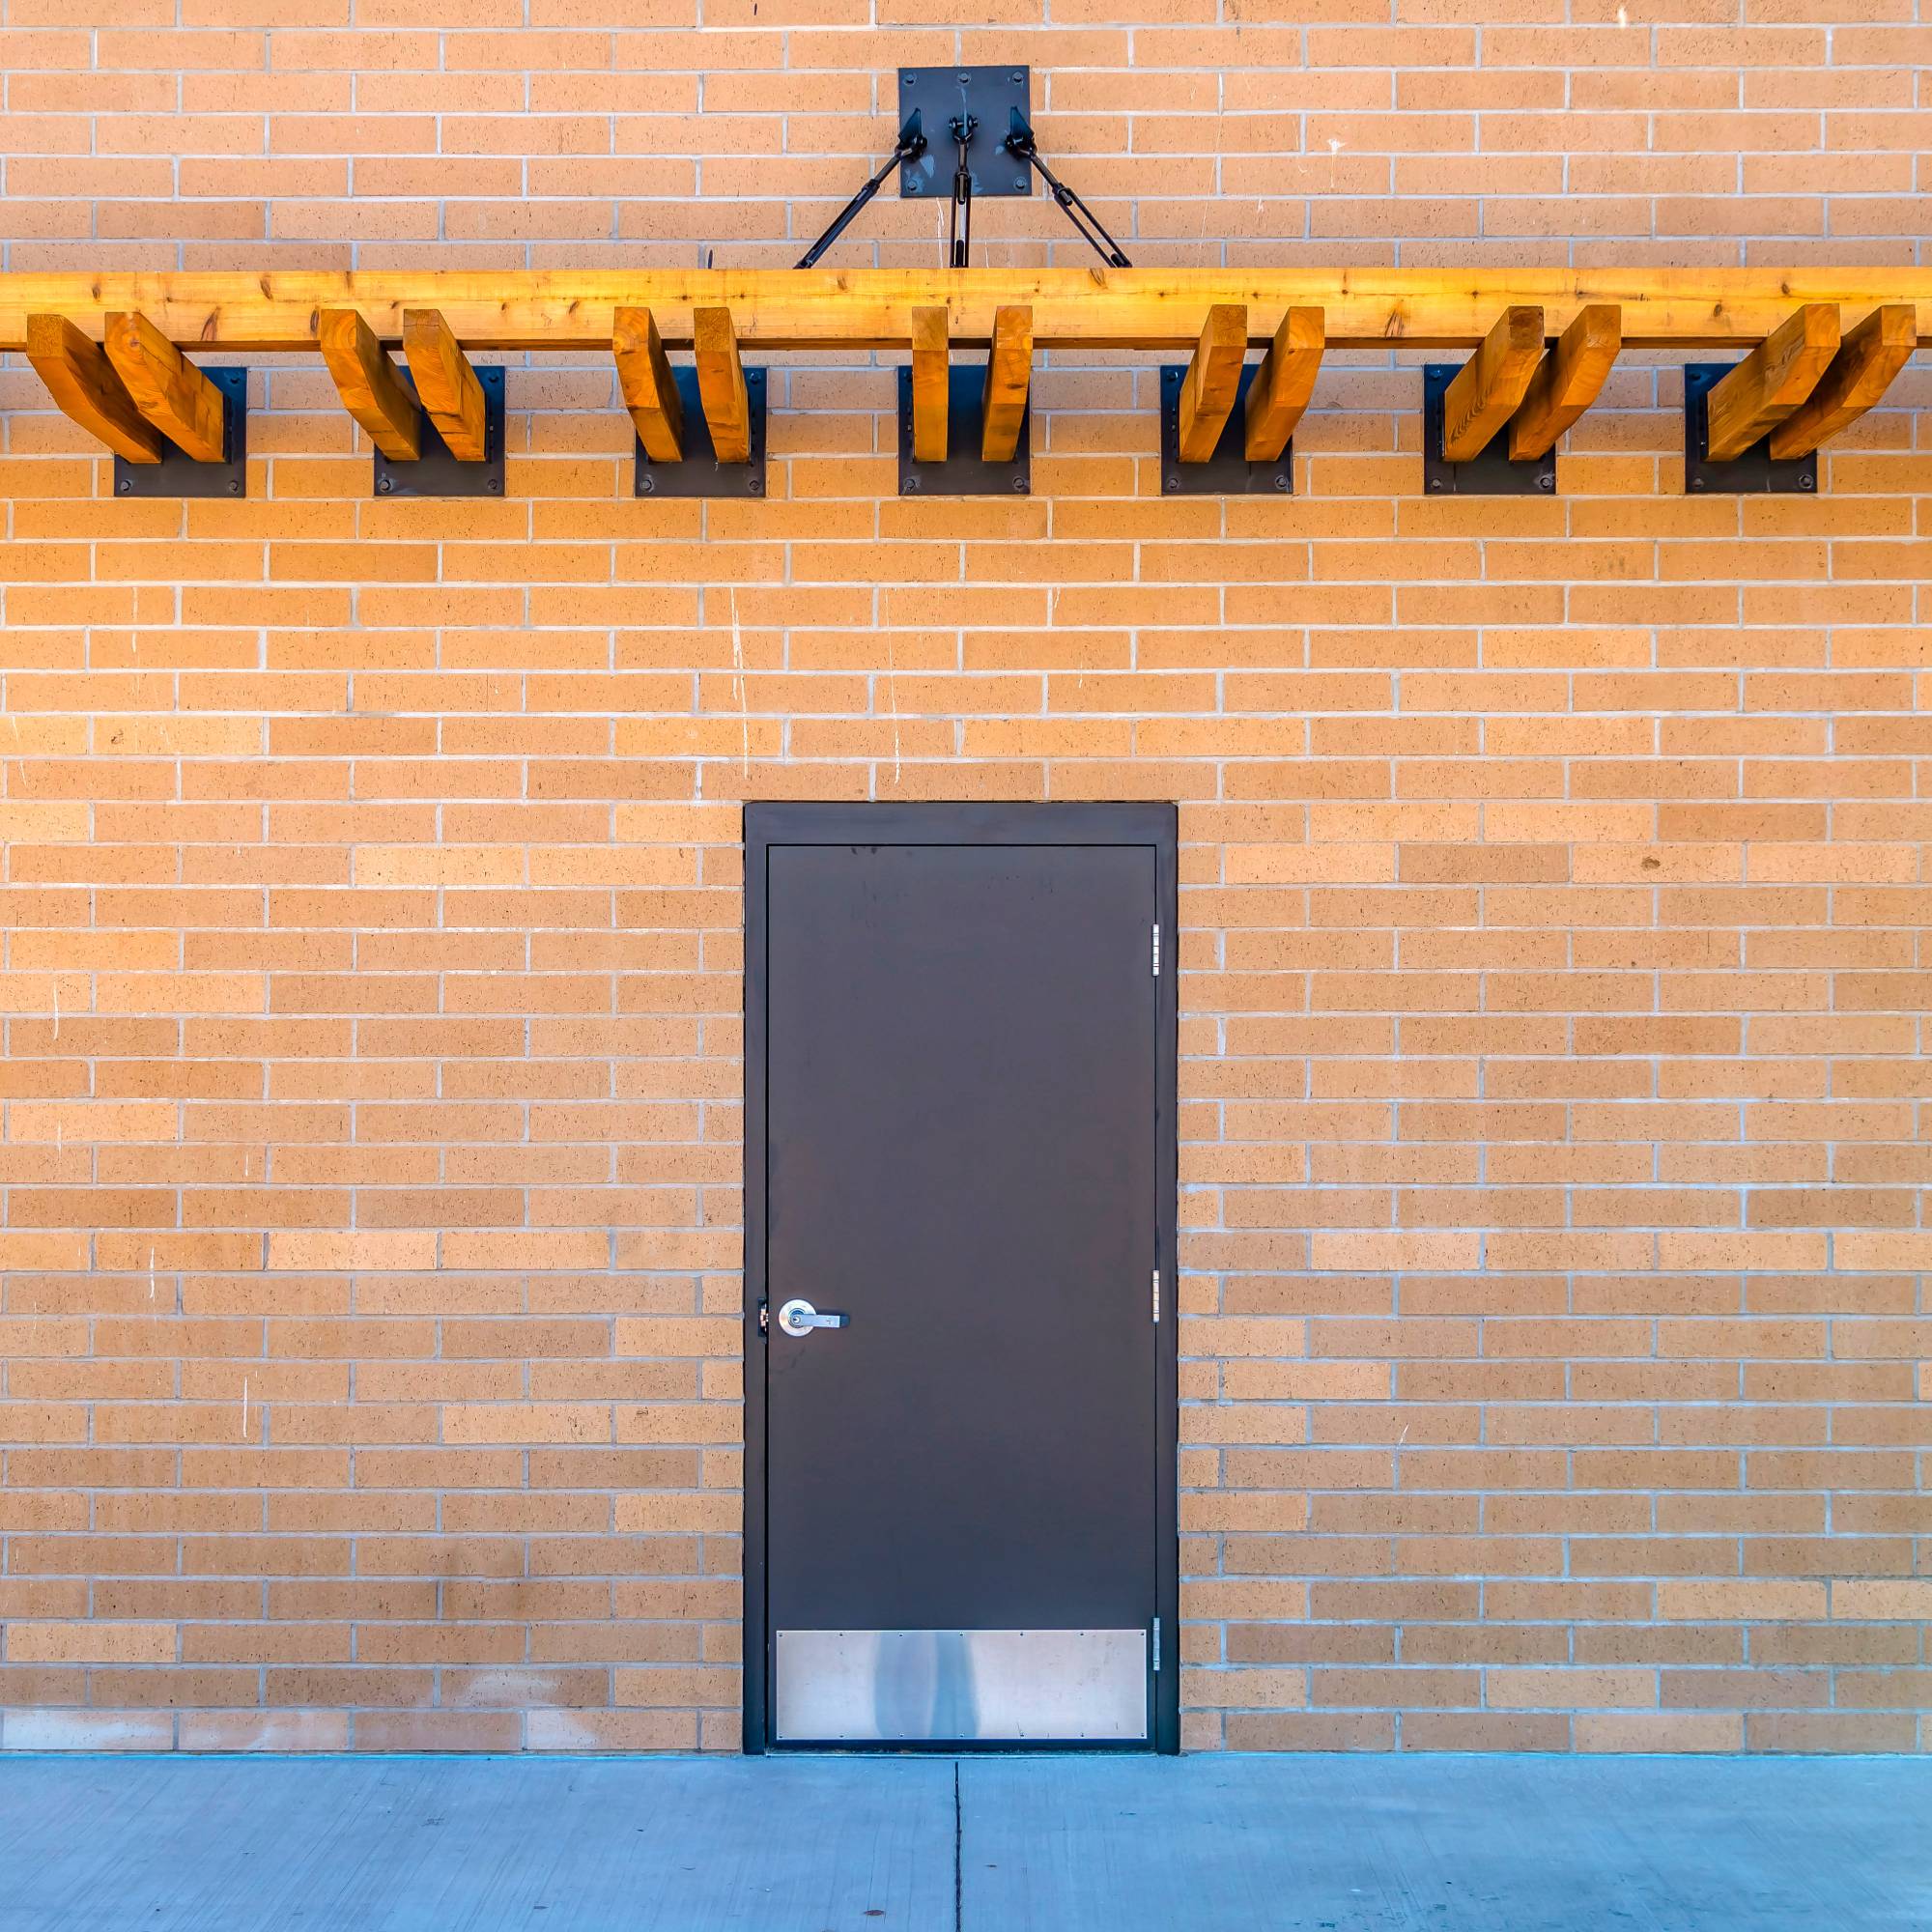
[(961, 1231)]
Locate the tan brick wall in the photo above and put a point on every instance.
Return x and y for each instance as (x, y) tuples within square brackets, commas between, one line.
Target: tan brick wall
[(1553, 888)]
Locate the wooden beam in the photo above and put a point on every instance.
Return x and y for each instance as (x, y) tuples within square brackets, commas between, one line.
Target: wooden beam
[(648, 388), (446, 386), (1770, 383), (1568, 380), (721, 384), (931, 385), (1008, 375), (1490, 383), (366, 381), (85, 386), (1859, 374), (167, 389), (1159, 308), (1284, 383), (1214, 376)]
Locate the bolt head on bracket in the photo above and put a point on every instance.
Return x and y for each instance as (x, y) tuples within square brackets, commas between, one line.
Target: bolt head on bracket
[(986, 94)]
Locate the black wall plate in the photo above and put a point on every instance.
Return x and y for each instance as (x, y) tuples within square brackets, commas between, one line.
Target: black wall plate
[(1753, 474), (963, 473), (1488, 474), (179, 475), (701, 474), (436, 472), (1228, 473), (938, 95)]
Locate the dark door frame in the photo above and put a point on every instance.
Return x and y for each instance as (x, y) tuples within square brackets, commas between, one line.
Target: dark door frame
[(787, 823)]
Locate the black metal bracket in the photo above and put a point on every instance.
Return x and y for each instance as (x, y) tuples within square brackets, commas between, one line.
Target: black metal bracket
[(698, 472), (1755, 471), (982, 100), (1489, 474), (1227, 472), (178, 473), (435, 472), (963, 473)]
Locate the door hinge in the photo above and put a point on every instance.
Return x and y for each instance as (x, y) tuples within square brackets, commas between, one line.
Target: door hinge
[(1157, 1645), (764, 1318), (1156, 949), (1157, 1294)]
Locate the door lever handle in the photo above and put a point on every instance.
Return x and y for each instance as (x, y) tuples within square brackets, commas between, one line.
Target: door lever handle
[(800, 1318)]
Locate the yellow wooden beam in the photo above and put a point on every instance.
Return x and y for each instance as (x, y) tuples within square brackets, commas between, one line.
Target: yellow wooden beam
[(86, 386), (1008, 377), (721, 384), (1490, 383), (1284, 383), (1214, 378), (1159, 308), (168, 389), (649, 390), (446, 386), (366, 381), (1859, 374), (1568, 380), (931, 385), (1770, 383)]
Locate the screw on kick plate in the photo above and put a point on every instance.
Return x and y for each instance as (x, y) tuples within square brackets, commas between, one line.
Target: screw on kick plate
[(1808, 482), (647, 484), (1546, 481), (1280, 480), (384, 485)]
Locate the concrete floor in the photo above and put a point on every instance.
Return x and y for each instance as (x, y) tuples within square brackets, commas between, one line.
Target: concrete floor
[(825, 1844)]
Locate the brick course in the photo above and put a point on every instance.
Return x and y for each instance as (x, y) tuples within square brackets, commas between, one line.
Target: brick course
[(1557, 1366)]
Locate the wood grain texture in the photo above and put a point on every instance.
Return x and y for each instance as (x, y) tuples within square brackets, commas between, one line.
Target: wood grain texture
[(446, 386), (1490, 383), (168, 389), (1859, 376), (931, 395), (645, 382), (1568, 380), (1214, 378), (1284, 383), (367, 381), (777, 308), (87, 388), (1771, 382), (721, 384), (1008, 378)]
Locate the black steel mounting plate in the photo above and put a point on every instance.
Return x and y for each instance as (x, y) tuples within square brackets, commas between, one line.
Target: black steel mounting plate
[(1228, 473), (179, 475), (963, 473), (699, 473), (1490, 473), (436, 472), (1753, 474), (939, 96)]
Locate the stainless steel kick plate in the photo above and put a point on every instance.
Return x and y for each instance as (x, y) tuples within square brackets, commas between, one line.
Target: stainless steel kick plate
[(990, 1686)]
